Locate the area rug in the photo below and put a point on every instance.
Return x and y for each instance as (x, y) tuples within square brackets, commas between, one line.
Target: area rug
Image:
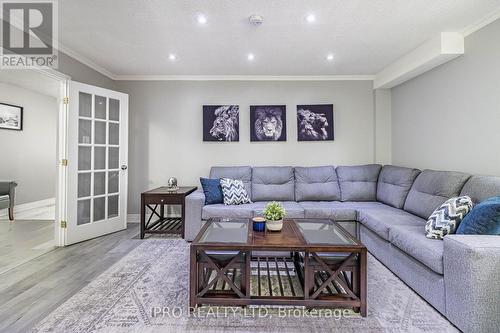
[(147, 291)]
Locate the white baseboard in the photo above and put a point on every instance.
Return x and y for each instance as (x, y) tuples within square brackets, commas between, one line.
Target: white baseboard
[(29, 206)]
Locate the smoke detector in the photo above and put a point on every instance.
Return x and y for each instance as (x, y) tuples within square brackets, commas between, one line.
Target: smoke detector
[(255, 20)]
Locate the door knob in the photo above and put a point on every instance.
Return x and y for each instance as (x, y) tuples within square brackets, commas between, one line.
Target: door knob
[(124, 167)]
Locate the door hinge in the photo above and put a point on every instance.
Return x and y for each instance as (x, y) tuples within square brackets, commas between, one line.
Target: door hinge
[(63, 224), (66, 100), (64, 162)]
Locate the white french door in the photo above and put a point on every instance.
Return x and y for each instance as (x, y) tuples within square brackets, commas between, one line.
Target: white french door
[(97, 162)]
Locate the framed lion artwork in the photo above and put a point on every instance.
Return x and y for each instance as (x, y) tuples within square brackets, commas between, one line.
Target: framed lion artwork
[(315, 122), (221, 123), (267, 123)]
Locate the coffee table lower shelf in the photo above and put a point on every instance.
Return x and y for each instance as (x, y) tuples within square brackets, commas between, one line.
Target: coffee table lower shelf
[(226, 278)]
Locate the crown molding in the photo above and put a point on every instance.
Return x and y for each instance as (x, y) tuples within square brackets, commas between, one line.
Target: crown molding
[(86, 61), (493, 16), (245, 77)]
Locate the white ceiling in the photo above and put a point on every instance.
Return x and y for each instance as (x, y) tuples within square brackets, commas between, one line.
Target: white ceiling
[(131, 37)]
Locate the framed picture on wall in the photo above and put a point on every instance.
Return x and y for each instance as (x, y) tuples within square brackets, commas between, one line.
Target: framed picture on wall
[(221, 123), (268, 123), (11, 117), (315, 122)]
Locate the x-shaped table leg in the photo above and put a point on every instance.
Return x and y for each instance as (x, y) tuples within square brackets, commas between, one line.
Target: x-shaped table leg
[(333, 276), (221, 273)]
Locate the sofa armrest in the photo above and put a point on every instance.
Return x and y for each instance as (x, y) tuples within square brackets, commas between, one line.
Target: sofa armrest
[(472, 281), (9, 188), (192, 219)]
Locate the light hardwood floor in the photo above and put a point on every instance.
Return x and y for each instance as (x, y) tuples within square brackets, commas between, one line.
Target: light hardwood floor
[(31, 291), (29, 236), (23, 240)]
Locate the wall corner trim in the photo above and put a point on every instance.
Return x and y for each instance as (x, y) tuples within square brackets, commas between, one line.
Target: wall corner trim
[(86, 61), (434, 52)]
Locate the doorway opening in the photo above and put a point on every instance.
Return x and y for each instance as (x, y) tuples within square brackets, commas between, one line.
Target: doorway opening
[(29, 166)]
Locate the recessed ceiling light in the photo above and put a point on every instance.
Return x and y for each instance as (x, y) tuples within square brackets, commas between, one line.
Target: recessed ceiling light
[(172, 57), (201, 19), (311, 18), (250, 57), (329, 57)]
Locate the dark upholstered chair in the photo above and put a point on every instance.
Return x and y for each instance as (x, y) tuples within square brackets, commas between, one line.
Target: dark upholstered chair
[(7, 194)]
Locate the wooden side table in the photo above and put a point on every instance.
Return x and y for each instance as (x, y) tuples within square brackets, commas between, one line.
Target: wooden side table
[(158, 198)]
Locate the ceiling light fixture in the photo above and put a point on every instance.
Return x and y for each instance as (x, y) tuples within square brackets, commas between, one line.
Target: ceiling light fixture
[(311, 18), (250, 57), (172, 57), (201, 19), (255, 20), (329, 57)]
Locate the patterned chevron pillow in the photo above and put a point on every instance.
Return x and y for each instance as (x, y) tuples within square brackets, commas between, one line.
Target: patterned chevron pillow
[(234, 192), (447, 217)]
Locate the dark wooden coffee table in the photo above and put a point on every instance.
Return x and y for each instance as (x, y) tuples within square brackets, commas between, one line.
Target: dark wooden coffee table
[(319, 264), (155, 201)]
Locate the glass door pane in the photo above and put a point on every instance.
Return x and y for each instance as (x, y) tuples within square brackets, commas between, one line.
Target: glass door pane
[(98, 158)]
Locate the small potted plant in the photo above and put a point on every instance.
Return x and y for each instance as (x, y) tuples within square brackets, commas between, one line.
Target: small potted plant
[(274, 213)]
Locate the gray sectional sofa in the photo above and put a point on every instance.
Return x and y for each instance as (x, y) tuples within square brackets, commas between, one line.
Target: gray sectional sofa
[(387, 208)]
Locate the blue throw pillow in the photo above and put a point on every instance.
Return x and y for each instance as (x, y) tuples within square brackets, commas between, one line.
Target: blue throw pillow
[(483, 219), (212, 190)]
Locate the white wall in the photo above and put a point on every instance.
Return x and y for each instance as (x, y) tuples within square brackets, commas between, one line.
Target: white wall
[(166, 128), (29, 156), (449, 117)]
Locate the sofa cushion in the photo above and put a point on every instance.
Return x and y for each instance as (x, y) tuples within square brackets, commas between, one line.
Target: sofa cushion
[(447, 217), (358, 183), (431, 189), (316, 184), (328, 210), (411, 240), (359, 205), (232, 211), (293, 209), (382, 218), (394, 183), (243, 173), (480, 188), (273, 183)]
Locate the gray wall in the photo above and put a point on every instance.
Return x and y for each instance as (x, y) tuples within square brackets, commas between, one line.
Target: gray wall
[(166, 128), (29, 156), (449, 117), (82, 73)]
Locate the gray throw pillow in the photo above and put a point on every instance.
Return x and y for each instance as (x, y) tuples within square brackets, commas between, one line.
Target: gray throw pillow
[(447, 217)]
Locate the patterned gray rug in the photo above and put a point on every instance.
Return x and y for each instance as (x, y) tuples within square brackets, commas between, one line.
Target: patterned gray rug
[(155, 276)]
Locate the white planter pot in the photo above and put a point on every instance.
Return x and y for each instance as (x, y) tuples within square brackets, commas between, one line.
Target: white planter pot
[(274, 225)]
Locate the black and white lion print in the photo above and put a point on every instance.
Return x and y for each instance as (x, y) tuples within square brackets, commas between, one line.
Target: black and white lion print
[(314, 125), (269, 123), (225, 126)]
